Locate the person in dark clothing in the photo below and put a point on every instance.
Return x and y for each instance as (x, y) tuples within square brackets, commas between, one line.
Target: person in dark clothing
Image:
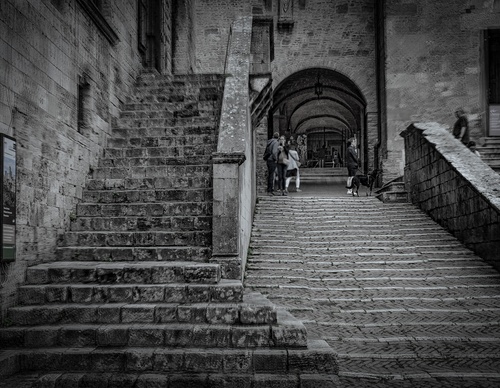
[(352, 164), (461, 127), (272, 160), (321, 156)]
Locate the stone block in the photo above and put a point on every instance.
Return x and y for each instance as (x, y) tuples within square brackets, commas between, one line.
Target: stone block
[(122, 380), (109, 313), (255, 315), (319, 381), (167, 274), (108, 360), (312, 361), (140, 360), (175, 293), (225, 314), (146, 335), (76, 360), (69, 380), (150, 294), (251, 336), (41, 337), (120, 293), (151, 380), (227, 293), (166, 360), (43, 360), (192, 313), (82, 293), (289, 335), (37, 275), (275, 381), (56, 294), (12, 337), (94, 380), (138, 313), (47, 381), (166, 313), (198, 293), (201, 360), (230, 381), (266, 360), (212, 336), (179, 335), (206, 274), (112, 335), (189, 381), (31, 295), (77, 336)]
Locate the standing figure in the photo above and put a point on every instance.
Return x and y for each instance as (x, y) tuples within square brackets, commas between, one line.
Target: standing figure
[(461, 127), (283, 161), (352, 164), (271, 158), (321, 156), (293, 169)]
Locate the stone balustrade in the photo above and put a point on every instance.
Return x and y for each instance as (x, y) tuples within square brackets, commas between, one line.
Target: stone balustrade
[(455, 187)]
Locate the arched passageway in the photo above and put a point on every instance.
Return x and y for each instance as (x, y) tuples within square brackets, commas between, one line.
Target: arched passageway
[(319, 107)]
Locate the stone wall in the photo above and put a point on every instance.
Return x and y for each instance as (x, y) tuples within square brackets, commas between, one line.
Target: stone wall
[(455, 187), (47, 48), (433, 66)]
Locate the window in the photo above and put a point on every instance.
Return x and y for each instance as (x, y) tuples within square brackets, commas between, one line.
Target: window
[(82, 103)]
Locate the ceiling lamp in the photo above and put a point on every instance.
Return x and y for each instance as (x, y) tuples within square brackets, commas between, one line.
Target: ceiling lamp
[(318, 88)]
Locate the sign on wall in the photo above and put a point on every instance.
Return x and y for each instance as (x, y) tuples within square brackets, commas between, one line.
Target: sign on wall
[(8, 195), (494, 120)]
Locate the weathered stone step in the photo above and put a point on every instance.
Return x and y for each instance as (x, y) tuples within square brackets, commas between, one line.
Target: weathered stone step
[(151, 238), (179, 134), (225, 291), (166, 182), (176, 150), (140, 209), (162, 143), (256, 331), (147, 196), (182, 171), (119, 313), (123, 273), (137, 254), (143, 224), (316, 359), (145, 122), (323, 294), (131, 163), (320, 274), (232, 376), (374, 281)]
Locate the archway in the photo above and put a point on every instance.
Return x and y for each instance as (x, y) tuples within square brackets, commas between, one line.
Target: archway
[(324, 107)]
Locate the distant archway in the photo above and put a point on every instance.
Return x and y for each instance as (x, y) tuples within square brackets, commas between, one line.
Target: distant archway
[(322, 106)]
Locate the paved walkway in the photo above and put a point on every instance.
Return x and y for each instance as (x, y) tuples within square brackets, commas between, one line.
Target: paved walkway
[(402, 302)]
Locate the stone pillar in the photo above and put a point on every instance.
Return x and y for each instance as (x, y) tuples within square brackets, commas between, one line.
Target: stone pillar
[(226, 211)]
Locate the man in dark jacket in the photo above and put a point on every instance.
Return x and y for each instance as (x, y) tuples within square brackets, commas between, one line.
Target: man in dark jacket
[(461, 127), (352, 164), (272, 161)]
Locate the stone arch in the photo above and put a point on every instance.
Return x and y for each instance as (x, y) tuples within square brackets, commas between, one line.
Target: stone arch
[(324, 105)]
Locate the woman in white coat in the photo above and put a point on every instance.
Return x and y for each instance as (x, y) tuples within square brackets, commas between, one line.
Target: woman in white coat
[(293, 168)]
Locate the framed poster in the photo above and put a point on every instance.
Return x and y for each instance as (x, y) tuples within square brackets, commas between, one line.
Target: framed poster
[(494, 120), (8, 195)]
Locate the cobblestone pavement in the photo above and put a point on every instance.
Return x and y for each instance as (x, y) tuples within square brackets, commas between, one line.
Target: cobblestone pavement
[(399, 299)]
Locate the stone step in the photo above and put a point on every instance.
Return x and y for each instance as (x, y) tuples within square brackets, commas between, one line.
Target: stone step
[(181, 171), (134, 254), (162, 141), (254, 333), (132, 163), (143, 224), (393, 196), (178, 134), (146, 272), (149, 196), (316, 359), (146, 122), (179, 151), (271, 372), (139, 106), (166, 182), (225, 291), (140, 209), (122, 314), (152, 238)]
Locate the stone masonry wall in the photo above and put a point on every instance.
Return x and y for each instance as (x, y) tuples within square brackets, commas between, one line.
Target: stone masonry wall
[(46, 48), (455, 187), (433, 65)]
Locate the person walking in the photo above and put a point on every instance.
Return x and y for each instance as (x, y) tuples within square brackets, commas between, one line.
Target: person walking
[(461, 127), (321, 156), (271, 158), (352, 164), (292, 170), (283, 161)]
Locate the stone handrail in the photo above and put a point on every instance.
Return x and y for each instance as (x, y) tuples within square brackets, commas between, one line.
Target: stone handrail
[(233, 180), (455, 187)]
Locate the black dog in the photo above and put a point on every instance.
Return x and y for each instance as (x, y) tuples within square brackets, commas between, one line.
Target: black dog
[(365, 180)]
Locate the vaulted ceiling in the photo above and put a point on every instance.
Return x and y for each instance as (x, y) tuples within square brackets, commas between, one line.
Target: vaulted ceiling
[(319, 98)]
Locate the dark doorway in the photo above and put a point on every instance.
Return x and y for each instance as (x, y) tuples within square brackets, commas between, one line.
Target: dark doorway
[(493, 81), (149, 30)]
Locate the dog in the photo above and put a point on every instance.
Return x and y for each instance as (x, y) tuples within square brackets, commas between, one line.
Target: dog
[(366, 180)]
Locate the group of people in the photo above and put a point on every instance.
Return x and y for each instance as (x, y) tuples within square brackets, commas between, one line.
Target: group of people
[(283, 162)]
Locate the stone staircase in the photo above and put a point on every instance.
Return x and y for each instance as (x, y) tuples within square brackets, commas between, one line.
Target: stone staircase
[(393, 191), (132, 299), (490, 152), (398, 298), (325, 175)]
